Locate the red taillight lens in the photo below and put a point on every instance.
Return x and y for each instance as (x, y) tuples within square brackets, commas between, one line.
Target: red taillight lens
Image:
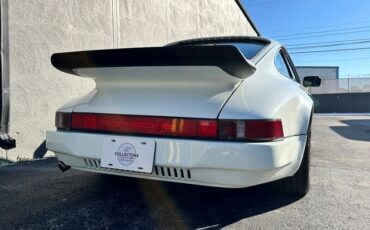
[(238, 130), (84, 121), (145, 125), (251, 130), (263, 130), (63, 120), (207, 128)]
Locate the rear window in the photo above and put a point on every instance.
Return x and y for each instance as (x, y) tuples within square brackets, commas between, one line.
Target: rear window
[(250, 50), (248, 47)]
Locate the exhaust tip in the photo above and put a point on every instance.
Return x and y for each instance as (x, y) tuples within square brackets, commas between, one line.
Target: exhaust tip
[(63, 167)]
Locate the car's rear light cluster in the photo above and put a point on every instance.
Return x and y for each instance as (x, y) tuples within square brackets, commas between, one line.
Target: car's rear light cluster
[(253, 130), (63, 120), (238, 130), (161, 126)]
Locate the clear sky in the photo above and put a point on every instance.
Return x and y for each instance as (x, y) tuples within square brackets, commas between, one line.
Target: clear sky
[(326, 24)]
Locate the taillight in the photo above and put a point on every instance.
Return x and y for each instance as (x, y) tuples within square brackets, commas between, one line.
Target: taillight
[(207, 128), (84, 121), (234, 130), (251, 130), (263, 130), (63, 120), (160, 126)]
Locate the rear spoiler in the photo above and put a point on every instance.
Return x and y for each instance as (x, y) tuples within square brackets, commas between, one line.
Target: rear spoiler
[(226, 57)]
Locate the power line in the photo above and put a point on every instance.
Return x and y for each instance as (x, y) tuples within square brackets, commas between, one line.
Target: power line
[(316, 27), (323, 31), (329, 42), (328, 45), (324, 35), (325, 51), (337, 60), (259, 3)]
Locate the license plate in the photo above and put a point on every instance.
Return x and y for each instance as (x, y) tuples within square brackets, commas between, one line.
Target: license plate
[(128, 154)]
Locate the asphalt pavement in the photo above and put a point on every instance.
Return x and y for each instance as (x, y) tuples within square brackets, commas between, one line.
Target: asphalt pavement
[(36, 195)]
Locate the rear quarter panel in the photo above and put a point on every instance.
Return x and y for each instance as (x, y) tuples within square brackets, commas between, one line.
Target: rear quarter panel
[(268, 94)]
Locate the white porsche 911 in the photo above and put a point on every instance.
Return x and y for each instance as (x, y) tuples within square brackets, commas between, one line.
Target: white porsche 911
[(223, 112)]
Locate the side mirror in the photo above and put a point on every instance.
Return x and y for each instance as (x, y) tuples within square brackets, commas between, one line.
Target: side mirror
[(311, 81)]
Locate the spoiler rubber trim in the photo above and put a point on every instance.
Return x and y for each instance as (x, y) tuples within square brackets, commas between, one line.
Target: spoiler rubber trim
[(226, 57)]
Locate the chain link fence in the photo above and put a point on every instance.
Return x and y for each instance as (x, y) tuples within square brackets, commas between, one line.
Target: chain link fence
[(342, 85)]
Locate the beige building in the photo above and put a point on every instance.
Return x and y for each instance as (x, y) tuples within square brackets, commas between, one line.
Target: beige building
[(39, 28)]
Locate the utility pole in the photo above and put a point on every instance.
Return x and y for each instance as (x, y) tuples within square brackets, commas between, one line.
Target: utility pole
[(348, 82)]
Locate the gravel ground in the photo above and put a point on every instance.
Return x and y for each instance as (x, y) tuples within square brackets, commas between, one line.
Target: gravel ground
[(37, 195)]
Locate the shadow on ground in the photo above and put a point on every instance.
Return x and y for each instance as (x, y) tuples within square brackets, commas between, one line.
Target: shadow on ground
[(358, 130), (40, 196), (141, 204), (40, 151)]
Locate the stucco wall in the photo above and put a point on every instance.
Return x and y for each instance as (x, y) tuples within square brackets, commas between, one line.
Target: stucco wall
[(158, 22), (38, 28)]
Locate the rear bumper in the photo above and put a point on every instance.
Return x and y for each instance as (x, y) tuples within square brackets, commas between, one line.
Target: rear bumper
[(210, 163)]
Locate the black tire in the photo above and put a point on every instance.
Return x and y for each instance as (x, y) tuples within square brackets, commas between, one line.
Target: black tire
[(299, 183)]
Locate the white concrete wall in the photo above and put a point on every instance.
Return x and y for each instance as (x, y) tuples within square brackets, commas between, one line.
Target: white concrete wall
[(39, 28), (325, 72), (158, 22)]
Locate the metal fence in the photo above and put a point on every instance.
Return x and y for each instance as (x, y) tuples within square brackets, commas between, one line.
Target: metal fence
[(342, 85)]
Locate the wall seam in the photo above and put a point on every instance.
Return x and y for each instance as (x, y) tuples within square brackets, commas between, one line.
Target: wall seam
[(115, 23), (168, 39), (113, 27), (118, 25), (197, 21)]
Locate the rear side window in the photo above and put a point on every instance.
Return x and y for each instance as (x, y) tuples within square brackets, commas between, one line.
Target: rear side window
[(282, 66)]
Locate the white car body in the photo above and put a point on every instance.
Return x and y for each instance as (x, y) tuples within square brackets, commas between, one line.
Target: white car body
[(195, 92)]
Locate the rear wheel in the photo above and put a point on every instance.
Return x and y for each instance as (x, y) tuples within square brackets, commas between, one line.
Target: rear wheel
[(299, 183)]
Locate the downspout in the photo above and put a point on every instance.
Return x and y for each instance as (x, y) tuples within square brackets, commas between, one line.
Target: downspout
[(6, 142)]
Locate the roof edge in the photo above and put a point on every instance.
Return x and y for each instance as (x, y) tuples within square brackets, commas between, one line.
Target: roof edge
[(245, 13), (317, 66)]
